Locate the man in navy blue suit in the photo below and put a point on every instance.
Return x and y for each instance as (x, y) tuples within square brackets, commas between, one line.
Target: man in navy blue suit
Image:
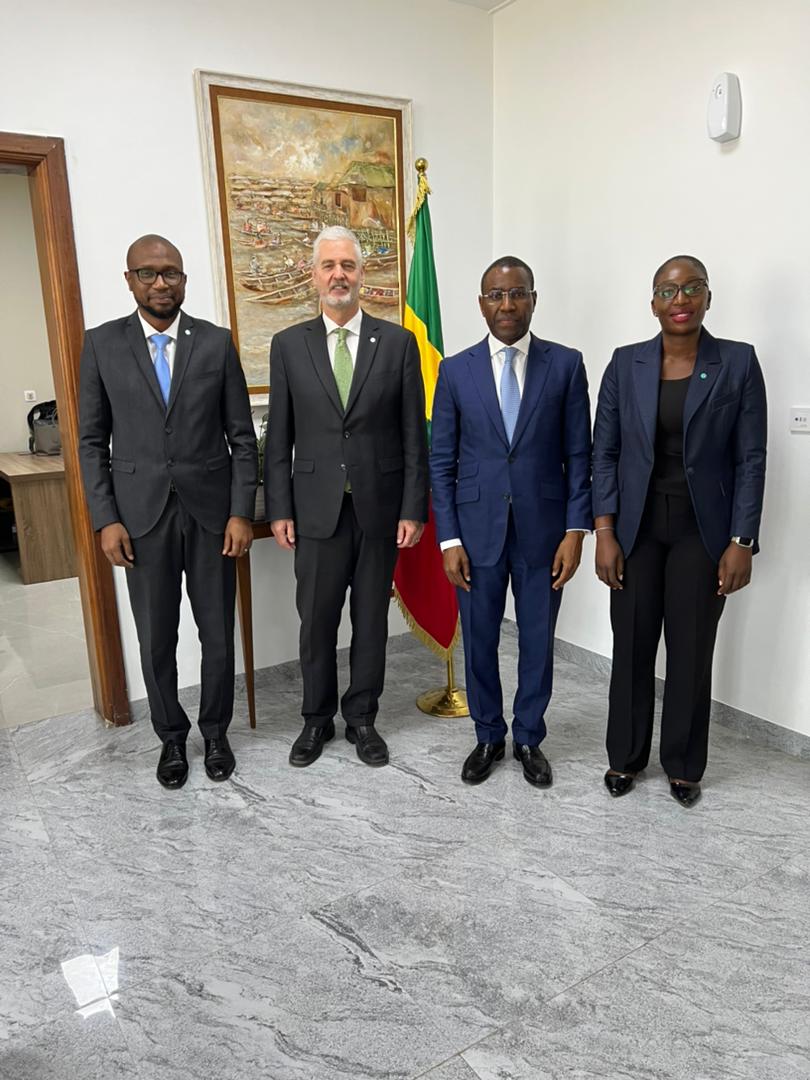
[(510, 468)]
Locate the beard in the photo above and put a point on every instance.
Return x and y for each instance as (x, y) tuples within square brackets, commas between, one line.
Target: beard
[(168, 313), (346, 299)]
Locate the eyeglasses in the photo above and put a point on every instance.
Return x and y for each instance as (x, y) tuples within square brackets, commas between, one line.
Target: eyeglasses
[(147, 275), (670, 290), (497, 296)]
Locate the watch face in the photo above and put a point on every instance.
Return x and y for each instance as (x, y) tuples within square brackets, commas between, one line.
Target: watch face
[(746, 541)]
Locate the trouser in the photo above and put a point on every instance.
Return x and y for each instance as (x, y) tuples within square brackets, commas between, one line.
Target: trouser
[(669, 578), (178, 544), (324, 570), (536, 609)]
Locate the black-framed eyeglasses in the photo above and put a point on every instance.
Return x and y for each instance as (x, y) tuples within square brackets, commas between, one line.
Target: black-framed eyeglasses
[(497, 296), (146, 275), (669, 290)]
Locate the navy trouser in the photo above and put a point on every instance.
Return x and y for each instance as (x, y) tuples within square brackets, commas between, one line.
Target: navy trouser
[(536, 608)]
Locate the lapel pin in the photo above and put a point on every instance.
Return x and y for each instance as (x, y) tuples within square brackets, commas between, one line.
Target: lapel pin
[(372, 340), (188, 331), (703, 374)]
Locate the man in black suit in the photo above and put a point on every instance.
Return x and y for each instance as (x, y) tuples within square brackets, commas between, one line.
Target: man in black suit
[(177, 493), (347, 397)]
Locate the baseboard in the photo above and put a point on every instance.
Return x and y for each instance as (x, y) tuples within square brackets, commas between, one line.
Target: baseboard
[(756, 728)]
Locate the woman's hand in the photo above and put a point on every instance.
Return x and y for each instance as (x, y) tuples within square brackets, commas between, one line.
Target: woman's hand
[(609, 559), (734, 569)]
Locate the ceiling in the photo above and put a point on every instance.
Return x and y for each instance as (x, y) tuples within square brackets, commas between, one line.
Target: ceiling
[(485, 5)]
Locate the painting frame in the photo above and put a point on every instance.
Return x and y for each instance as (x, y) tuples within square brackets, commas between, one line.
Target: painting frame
[(276, 100)]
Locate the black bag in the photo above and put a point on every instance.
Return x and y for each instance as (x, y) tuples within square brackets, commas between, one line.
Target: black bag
[(43, 424)]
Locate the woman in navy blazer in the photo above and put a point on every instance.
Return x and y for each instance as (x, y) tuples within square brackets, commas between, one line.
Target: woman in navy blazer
[(678, 479)]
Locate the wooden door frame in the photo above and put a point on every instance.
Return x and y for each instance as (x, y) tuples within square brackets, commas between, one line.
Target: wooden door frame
[(43, 158)]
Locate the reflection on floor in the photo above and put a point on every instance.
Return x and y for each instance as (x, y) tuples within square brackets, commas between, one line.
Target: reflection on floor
[(43, 656), (343, 923)]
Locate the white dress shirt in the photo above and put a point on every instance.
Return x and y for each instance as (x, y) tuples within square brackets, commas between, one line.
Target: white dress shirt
[(352, 338), (171, 346), (496, 352)]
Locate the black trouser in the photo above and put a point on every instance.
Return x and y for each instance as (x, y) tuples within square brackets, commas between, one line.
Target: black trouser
[(176, 544), (669, 577), (324, 570)]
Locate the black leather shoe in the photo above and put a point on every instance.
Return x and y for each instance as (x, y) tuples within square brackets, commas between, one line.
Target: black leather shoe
[(309, 744), (686, 794), (619, 783), (172, 770), (370, 745), (536, 768), (481, 762), (219, 759)]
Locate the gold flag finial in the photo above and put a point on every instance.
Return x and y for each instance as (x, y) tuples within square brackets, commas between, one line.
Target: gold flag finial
[(422, 192)]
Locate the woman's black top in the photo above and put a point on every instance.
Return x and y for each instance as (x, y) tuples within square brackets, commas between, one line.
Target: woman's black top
[(669, 477)]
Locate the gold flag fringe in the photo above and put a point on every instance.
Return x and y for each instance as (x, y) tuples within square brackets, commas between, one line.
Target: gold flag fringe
[(422, 634), (422, 192)]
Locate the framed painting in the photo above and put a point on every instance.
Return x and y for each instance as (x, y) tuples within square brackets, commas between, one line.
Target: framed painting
[(281, 163)]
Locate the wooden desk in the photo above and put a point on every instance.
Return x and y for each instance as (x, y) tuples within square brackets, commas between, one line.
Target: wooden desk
[(42, 515), (244, 603)]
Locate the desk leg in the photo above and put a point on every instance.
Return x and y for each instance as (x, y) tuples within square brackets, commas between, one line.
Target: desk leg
[(244, 607)]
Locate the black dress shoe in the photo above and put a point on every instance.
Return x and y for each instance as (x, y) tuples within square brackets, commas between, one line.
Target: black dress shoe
[(172, 770), (481, 761), (686, 794), (536, 768), (219, 759), (370, 745), (309, 744), (619, 783)]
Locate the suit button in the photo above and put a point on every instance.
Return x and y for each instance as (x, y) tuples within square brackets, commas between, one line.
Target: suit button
[(168, 430), (690, 471), (346, 434), (511, 458), (507, 497), (343, 467), (170, 462)]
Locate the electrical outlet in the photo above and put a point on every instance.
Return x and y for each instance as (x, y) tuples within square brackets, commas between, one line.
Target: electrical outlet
[(30, 395), (799, 418)]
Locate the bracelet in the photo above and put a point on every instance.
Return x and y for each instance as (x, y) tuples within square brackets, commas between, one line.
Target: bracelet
[(605, 528)]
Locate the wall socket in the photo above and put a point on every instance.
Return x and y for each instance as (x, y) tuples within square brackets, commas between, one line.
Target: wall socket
[(30, 395), (799, 418)]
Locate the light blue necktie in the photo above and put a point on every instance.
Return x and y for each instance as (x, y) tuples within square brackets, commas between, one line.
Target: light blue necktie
[(510, 392), (162, 370)]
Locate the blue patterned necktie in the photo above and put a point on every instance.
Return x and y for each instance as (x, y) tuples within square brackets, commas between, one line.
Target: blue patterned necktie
[(510, 392), (162, 370)]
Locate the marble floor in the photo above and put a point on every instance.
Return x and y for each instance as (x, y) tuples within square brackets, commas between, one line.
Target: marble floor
[(44, 669), (343, 923)]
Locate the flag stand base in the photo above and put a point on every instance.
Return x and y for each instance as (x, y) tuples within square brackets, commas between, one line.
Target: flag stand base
[(450, 701)]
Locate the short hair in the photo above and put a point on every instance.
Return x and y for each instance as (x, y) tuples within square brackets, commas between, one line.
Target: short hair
[(337, 232), (693, 259), (510, 262)]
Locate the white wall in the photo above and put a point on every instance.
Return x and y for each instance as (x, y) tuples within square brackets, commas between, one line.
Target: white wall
[(602, 170), (115, 81), (25, 362)]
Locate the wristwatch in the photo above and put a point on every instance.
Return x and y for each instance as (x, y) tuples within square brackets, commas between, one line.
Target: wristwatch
[(743, 541)]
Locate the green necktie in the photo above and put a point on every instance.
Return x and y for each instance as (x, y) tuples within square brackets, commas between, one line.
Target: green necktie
[(344, 369)]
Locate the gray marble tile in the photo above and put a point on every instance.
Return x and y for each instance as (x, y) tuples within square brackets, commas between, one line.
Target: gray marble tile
[(479, 940), (288, 1005), (39, 929), (90, 1048), (454, 1069)]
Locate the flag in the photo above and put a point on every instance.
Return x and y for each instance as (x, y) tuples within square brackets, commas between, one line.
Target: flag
[(425, 596)]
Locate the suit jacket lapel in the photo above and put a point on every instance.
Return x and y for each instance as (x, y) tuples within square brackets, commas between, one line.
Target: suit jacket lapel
[(366, 351), (479, 363), (537, 369), (137, 342), (315, 337), (707, 367), (186, 336), (646, 377)]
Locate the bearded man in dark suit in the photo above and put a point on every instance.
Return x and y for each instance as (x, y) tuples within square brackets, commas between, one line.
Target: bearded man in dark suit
[(176, 494), (346, 486)]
